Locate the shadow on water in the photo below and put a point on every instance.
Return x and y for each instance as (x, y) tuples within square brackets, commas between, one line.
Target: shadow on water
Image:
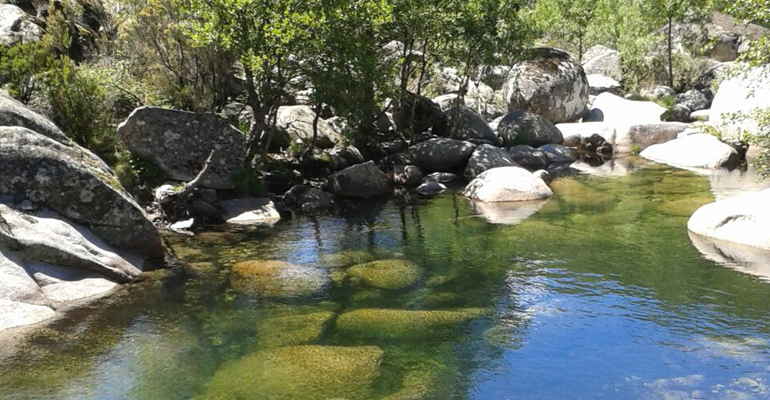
[(596, 293)]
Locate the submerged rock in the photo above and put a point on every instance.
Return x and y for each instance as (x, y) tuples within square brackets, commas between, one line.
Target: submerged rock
[(278, 279), (549, 83), (347, 258), (404, 325), (577, 193), (507, 184), (294, 329), (299, 372), (386, 274), (700, 151), (179, 142), (743, 219)]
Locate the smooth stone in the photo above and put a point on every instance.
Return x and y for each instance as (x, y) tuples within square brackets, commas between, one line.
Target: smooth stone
[(296, 123), (249, 211), (603, 61), (15, 314), (507, 184), (524, 128), (600, 84), (743, 219), (440, 177), (431, 188), (744, 94), (619, 111), (441, 154), (699, 151), (558, 154), (288, 330)]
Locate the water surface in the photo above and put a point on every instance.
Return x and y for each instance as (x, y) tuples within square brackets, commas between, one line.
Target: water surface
[(597, 293)]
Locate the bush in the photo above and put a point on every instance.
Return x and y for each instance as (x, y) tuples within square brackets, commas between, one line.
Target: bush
[(78, 102), (18, 66)]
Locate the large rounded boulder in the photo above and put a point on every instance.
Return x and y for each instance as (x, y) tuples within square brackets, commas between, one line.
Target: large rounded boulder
[(525, 128), (742, 219), (549, 83), (179, 142), (466, 124)]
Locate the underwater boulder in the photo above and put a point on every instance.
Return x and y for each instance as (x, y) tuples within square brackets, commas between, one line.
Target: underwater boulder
[(278, 279), (391, 324), (287, 330), (386, 274), (299, 372)]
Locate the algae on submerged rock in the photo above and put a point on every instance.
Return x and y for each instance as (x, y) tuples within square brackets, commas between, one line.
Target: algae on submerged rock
[(292, 329), (403, 324), (386, 274), (299, 372), (278, 279)]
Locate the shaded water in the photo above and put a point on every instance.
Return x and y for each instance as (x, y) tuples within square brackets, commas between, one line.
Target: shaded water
[(597, 293)]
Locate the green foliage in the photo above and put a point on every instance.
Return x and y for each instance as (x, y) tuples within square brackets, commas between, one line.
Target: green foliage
[(20, 63), (77, 99), (568, 21), (135, 172), (247, 182)]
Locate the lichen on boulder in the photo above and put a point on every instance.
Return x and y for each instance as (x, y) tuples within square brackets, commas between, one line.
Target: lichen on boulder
[(386, 274), (299, 372)]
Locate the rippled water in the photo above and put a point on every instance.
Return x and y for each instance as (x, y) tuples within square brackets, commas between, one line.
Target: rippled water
[(597, 293)]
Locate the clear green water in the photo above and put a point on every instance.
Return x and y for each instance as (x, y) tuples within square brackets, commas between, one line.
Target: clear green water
[(598, 294)]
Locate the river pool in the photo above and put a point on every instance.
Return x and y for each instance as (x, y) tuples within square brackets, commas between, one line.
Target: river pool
[(596, 293)]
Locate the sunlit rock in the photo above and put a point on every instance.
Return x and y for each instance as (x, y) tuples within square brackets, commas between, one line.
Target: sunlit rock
[(548, 83), (507, 184), (249, 211), (743, 219), (698, 151)]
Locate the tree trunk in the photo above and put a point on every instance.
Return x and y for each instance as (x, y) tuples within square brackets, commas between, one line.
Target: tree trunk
[(580, 48), (670, 52), (317, 116)]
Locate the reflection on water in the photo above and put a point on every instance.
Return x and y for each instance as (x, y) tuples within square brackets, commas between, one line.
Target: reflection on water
[(596, 293)]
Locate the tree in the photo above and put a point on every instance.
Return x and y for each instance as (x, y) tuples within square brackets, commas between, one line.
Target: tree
[(269, 38), (573, 19), (672, 11)]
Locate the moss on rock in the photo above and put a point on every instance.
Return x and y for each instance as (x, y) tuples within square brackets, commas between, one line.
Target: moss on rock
[(386, 274), (278, 279), (292, 329), (686, 206), (403, 324), (346, 258), (299, 372)]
